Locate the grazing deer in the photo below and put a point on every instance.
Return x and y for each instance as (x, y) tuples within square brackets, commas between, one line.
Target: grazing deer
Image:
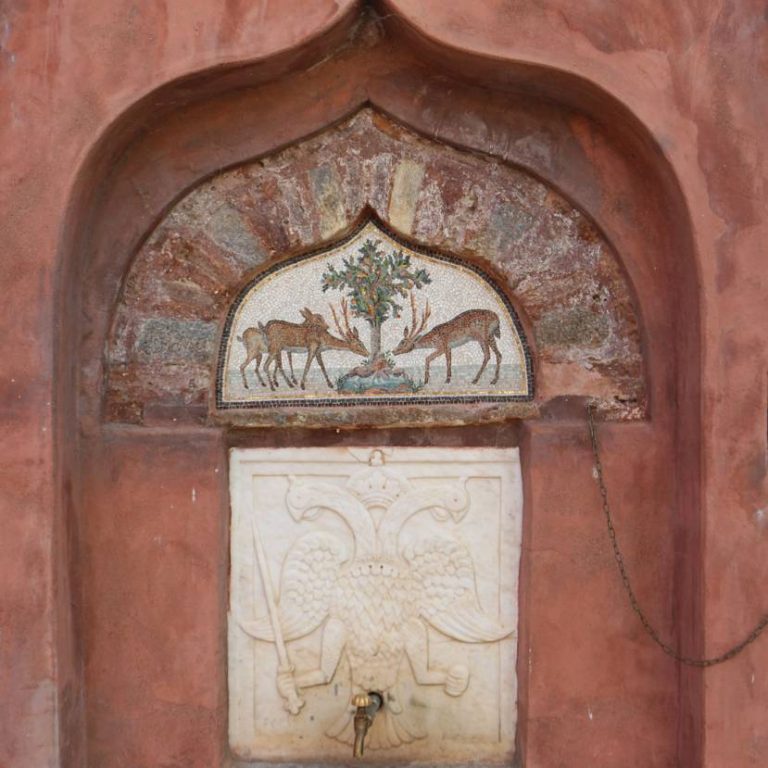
[(256, 346), (480, 325), (311, 337)]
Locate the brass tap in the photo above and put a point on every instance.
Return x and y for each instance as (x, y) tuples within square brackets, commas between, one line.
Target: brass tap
[(366, 706)]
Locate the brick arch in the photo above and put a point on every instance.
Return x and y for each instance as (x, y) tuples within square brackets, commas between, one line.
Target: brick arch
[(553, 260)]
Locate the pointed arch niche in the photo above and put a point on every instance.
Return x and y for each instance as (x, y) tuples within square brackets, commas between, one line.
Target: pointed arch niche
[(535, 177)]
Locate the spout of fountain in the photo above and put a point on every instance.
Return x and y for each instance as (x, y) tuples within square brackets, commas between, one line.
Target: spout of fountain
[(366, 706)]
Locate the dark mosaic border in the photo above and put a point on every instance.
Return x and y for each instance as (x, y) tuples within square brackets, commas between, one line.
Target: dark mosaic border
[(339, 401)]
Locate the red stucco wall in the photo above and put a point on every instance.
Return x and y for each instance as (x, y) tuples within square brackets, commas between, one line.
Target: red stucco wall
[(661, 116)]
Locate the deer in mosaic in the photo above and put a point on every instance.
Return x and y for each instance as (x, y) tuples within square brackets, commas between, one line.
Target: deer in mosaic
[(256, 346), (480, 325), (311, 336)]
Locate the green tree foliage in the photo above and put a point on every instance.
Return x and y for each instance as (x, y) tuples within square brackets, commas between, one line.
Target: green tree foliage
[(374, 282)]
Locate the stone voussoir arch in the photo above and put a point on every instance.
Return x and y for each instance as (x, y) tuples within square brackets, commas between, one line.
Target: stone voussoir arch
[(556, 265)]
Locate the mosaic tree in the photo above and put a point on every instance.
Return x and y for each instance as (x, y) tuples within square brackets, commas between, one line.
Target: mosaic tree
[(374, 282)]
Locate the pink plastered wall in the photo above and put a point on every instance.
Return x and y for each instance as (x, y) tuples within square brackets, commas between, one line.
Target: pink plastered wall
[(646, 116)]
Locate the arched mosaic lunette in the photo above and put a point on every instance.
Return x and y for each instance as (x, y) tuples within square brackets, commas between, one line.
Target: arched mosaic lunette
[(564, 276), (375, 320)]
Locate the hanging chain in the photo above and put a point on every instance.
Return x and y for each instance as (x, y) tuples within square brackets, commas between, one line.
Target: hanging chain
[(668, 649)]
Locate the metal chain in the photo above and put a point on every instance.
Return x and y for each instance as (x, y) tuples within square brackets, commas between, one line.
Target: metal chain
[(668, 649)]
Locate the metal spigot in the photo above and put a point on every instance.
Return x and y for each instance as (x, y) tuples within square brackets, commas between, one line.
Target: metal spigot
[(366, 706)]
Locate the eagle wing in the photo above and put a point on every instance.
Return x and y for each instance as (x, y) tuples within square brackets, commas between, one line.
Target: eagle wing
[(445, 571), (309, 575)]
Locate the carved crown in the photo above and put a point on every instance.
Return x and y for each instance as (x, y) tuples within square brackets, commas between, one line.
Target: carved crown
[(377, 487)]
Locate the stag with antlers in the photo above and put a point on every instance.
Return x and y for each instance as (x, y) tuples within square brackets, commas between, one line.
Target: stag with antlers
[(480, 325), (311, 336)]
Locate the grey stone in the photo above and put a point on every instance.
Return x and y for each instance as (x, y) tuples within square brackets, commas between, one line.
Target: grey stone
[(227, 228), (508, 224), (164, 339)]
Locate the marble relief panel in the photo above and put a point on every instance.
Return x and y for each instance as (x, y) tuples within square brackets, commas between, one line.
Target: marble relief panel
[(391, 570), (372, 320)]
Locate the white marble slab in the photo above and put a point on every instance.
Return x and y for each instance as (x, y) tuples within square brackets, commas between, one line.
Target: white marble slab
[(393, 570)]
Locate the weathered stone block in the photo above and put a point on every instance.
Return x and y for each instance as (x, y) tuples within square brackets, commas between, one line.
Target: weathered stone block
[(574, 326), (228, 228), (179, 341), (328, 195)]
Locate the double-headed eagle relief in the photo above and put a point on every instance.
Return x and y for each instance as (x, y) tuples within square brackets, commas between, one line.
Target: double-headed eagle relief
[(371, 320), (374, 594), (375, 598)]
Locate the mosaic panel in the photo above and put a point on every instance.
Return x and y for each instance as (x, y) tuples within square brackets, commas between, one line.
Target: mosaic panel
[(370, 320)]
